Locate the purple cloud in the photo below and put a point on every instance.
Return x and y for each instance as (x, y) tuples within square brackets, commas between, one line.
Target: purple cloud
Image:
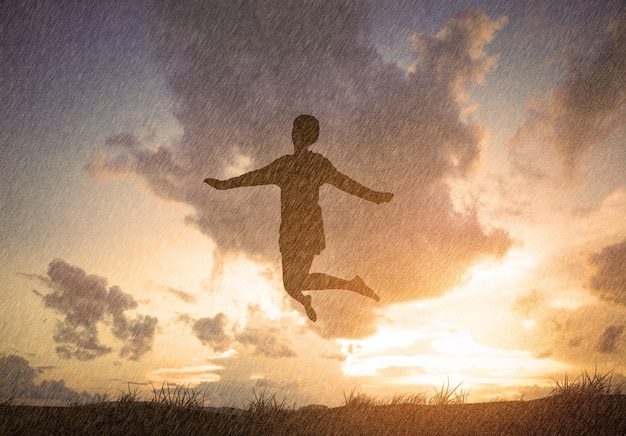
[(85, 301)]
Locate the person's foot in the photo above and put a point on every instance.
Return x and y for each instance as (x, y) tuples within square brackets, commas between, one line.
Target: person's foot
[(310, 312), (361, 288)]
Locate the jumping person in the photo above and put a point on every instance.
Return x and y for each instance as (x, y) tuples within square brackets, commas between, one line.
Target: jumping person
[(299, 176)]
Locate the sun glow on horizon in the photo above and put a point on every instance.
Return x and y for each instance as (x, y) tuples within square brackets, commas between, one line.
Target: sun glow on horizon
[(452, 356), (431, 341), (188, 375), (511, 268)]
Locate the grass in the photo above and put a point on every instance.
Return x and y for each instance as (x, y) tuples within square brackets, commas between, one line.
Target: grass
[(586, 386), (357, 399), (419, 398), (129, 396), (265, 404), (178, 397), (448, 395), (445, 395), (178, 409)]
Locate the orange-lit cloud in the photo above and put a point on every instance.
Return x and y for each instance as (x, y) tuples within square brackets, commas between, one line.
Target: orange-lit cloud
[(457, 52), (242, 77), (608, 280)]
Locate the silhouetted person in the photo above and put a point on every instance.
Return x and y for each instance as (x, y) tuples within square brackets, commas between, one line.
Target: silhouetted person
[(299, 176)]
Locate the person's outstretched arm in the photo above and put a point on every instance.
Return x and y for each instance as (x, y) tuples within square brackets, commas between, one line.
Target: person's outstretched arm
[(262, 176), (346, 184)]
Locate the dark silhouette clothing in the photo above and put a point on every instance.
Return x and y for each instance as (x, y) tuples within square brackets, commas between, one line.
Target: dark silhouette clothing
[(299, 176)]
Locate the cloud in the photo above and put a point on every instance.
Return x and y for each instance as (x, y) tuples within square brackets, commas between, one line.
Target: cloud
[(457, 52), (608, 341), (182, 295), (240, 73), (258, 334), (582, 111), (17, 382), (266, 343), (85, 301), (262, 335), (240, 393), (139, 336), (608, 280), (17, 376), (123, 140), (528, 303), (576, 336), (212, 332)]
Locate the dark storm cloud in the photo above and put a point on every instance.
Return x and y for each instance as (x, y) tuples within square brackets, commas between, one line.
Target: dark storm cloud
[(583, 110), (16, 376), (17, 382), (608, 340), (85, 301), (240, 72), (608, 280), (212, 332)]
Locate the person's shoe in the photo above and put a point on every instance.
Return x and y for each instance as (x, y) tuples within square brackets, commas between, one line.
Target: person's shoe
[(361, 288), (310, 312)]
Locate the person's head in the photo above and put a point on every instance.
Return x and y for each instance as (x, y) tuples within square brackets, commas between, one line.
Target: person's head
[(306, 130)]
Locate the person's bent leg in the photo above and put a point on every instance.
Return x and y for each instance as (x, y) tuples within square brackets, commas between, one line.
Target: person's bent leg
[(296, 278), (295, 270), (320, 281)]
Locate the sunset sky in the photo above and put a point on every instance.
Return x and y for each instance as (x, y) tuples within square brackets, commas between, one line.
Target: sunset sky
[(499, 127)]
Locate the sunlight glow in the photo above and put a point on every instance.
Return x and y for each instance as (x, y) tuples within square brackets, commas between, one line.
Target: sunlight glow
[(228, 353), (453, 355), (186, 375), (385, 339), (431, 341), (513, 267), (243, 288), (460, 344), (571, 303)]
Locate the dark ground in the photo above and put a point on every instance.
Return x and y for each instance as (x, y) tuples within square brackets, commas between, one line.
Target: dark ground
[(605, 415)]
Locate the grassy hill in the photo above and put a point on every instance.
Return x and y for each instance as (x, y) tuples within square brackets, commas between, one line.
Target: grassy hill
[(589, 404), (553, 415)]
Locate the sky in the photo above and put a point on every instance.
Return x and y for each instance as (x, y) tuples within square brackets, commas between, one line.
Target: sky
[(498, 126)]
